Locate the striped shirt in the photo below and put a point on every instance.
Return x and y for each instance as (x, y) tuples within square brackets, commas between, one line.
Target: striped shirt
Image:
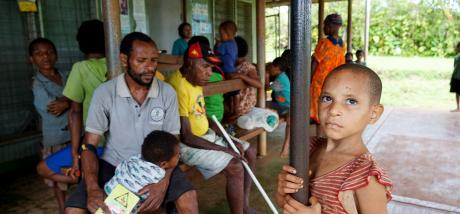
[(355, 174)]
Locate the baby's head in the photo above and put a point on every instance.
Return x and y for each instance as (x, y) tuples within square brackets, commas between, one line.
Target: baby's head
[(227, 30), (161, 148), (458, 47), (349, 101)]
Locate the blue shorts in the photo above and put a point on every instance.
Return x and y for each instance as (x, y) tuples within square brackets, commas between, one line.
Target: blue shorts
[(63, 159)]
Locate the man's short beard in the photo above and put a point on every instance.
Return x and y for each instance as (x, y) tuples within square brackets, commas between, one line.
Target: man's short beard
[(137, 78)]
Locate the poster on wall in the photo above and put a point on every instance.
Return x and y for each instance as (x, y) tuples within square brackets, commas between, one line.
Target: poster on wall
[(140, 19), (124, 17), (200, 19)]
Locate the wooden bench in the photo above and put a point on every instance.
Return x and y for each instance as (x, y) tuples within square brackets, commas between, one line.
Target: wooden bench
[(226, 86), (168, 63)]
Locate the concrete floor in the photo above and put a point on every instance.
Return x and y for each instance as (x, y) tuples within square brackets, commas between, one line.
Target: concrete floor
[(417, 147)]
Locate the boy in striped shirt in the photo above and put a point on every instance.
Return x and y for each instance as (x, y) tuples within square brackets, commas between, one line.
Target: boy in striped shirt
[(344, 177)]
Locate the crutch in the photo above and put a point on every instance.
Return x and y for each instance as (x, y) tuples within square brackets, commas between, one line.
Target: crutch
[(246, 166)]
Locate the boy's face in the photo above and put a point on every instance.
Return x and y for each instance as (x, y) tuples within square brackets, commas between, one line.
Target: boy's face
[(43, 56), (173, 161), (345, 107)]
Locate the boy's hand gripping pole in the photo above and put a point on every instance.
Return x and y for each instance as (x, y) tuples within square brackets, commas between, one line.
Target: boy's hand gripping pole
[(246, 166)]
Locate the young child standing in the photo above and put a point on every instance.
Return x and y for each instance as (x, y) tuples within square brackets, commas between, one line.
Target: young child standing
[(345, 177), (159, 155), (281, 96), (360, 57), (52, 106), (455, 81), (227, 49)]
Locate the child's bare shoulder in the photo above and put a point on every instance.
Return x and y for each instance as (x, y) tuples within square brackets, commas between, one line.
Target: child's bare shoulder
[(364, 170)]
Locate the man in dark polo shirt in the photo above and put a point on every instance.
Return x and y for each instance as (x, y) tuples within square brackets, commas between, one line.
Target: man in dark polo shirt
[(125, 110)]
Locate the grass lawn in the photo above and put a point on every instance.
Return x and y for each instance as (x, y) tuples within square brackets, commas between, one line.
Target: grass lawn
[(415, 81)]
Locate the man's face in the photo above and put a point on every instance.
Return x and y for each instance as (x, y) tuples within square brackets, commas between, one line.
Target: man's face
[(201, 72), (43, 56), (345, 107), (142, 62)]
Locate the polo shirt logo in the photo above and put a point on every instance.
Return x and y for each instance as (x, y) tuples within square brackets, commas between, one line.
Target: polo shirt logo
[(157, 114)]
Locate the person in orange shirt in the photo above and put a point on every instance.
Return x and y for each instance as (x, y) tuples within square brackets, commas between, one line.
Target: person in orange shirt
[(329, 54)]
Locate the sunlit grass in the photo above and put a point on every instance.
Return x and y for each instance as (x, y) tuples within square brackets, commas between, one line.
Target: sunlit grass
[(414, 81)]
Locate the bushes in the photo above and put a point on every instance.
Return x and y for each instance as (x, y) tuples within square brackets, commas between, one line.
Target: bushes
[(398, 27)]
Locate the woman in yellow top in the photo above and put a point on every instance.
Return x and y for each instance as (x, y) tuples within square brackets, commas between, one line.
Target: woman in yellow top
[(329, 53)]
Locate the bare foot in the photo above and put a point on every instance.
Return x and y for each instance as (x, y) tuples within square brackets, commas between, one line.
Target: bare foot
[(455, 110), (284, 153)]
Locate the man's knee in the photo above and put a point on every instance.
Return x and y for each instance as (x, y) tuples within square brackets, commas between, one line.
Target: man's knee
[(234, 168), (73, 210), (187, 202)]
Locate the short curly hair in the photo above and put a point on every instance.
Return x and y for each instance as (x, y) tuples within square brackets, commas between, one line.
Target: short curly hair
[(90, 37), (127, 42), (242, 46), (229, 27), (37, 41), (159, 146), (181, 27)]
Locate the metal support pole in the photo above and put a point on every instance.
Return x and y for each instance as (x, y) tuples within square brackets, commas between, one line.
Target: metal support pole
[(320, 19), (40, 19), (260, 34), (300, 91), (111, 17), (349, 33), (366, 29), (31, 24), (184, 10)]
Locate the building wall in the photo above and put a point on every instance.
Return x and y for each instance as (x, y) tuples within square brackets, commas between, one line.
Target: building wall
[(16, 108), (163, 18)]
